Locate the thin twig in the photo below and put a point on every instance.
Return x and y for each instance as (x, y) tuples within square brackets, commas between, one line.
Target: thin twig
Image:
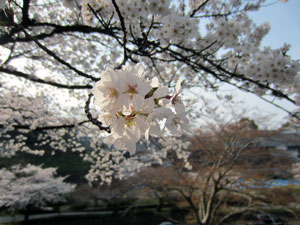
[(122, 21), (51, 53), (91, 118)]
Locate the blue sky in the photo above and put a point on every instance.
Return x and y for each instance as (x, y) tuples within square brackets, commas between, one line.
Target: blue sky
[(284, 19)]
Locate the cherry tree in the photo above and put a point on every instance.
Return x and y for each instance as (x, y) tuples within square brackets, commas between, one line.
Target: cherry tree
[(31, 187), (227, 166), (113, 70)]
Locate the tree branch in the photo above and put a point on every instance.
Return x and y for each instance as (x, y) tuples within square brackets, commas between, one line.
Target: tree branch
[(230, 215), (198, 8), (50, 127), (41, 81), (25, 16), (58, 29), (49, 52), (189, 200), (90, 117), (122, 21)]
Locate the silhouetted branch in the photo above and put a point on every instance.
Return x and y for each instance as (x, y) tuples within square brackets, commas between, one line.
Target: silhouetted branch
[(90, 117), (50, 127), (56, 57), (121, 18), (57, 29), (41, 81)]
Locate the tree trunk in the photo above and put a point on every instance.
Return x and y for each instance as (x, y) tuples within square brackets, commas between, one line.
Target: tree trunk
[(26, 216), (161, 204), (57, 209)]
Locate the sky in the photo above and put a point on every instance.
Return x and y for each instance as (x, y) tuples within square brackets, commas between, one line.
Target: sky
[(284, 19)]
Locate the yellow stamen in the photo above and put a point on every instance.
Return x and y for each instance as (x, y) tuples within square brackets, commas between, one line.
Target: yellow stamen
[(132, 90)]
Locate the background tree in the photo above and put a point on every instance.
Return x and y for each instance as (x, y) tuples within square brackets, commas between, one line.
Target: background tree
[(228, 177), (23, 189)]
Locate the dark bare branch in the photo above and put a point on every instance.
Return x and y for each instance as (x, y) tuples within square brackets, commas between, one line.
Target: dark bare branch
[(25, 15), (57, 29), (41, 81), (198, 8), (50, 127), (91, 118), (122, 21), (60, 60)]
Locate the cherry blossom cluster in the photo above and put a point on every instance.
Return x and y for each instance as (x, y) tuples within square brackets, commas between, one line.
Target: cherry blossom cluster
[(170, 26), (178, 145), (108, 164), (269, 66), (238, 33), (134, 106), (22, 187), (21, 117), (176, 29)]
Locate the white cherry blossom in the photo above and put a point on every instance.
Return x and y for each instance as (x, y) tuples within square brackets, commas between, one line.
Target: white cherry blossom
[(130, 105), (177, 123), (134, 86), (176, 100), (109, 90)]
